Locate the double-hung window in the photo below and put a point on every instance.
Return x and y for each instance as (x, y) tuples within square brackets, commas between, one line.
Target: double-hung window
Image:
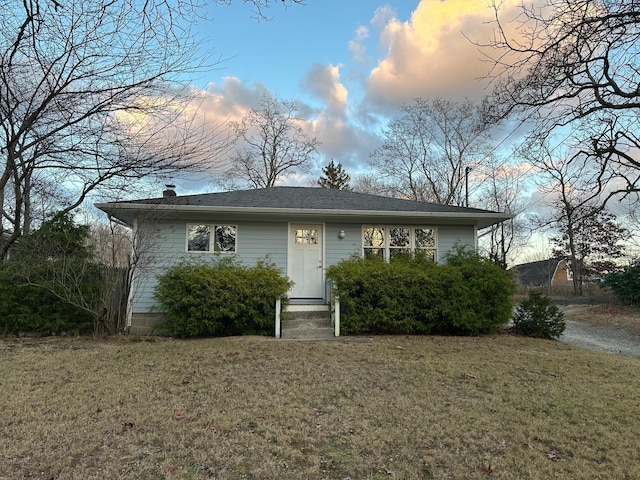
[(387, 242), (211, 238)]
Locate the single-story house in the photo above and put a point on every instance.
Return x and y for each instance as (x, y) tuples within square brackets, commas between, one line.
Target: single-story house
[(544, 273), (303, 230)]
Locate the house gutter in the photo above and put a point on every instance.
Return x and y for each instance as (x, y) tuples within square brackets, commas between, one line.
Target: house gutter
[(113, 209)]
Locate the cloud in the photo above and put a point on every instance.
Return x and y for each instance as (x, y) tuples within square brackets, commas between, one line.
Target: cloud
[(233, 99), (432, 54), (328, 121), (356, 46), (207, 116), (382, 16), (324, 82), (341, 139)]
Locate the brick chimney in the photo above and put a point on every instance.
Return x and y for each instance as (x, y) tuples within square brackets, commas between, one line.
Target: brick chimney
[(169, 192)]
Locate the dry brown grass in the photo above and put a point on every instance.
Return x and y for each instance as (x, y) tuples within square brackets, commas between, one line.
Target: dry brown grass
[(500, 407), (614, 316)]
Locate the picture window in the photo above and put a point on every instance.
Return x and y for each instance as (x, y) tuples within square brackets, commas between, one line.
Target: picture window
[(211, 238), (388, 242)]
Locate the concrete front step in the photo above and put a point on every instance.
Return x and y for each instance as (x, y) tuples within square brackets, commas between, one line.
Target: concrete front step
[(307, 327), (307, 322)]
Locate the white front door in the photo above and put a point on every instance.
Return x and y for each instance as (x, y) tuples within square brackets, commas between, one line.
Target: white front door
[(305, 261)]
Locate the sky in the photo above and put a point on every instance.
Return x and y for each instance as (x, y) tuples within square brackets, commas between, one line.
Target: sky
[(349, 66)]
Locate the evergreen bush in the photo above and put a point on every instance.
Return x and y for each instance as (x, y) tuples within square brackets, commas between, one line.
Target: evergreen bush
[(31, 297), (467, 296), (537, 317), (225, 298), (625, 284)]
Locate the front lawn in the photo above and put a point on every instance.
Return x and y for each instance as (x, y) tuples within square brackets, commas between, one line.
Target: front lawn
[(499, 407)]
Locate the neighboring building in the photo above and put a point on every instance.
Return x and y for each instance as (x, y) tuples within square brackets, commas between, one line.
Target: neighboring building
[(553, 272), (302, 230)]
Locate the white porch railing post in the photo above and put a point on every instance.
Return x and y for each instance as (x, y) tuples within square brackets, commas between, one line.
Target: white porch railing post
[(278, 304), (336, 323)]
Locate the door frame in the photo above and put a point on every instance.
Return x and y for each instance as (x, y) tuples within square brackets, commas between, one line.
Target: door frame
[(291, 227)]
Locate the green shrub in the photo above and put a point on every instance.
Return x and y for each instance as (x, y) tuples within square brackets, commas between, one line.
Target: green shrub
[(537, 317), (35, 309), (482, 296), (467, 296), (226, 298), (626, 283), (49, 275)]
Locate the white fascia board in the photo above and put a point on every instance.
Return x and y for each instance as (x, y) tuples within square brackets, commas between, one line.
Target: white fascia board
[(297, 212)]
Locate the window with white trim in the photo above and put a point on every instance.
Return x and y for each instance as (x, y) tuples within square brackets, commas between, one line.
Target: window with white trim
[(211, 238), (373, 238), (387, 242)]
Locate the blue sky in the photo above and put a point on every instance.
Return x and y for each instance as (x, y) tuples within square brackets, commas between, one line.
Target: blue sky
[(348, 64), (279, 52)]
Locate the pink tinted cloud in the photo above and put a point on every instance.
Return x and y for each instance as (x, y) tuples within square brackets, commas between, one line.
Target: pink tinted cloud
[(433, 53), (323, 81)]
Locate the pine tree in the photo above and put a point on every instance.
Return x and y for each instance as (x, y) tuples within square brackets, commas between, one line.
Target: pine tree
[(334, 176)]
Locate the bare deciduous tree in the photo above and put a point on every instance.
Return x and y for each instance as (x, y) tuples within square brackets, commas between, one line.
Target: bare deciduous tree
[(93, 96), (270, 145), (574, 65), (427, 151), (501, 191), (369, 183), (90, 99), (260, 6), (567, 179)]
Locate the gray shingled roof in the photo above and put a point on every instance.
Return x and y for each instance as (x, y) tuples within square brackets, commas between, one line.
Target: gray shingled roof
[(537, 273), (300, 200), (312, 198)]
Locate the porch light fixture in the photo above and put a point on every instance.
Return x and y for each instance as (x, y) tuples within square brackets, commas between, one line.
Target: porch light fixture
[(341, 234)]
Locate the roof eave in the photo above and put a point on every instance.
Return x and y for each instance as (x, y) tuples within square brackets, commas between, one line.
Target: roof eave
[(127, 211)]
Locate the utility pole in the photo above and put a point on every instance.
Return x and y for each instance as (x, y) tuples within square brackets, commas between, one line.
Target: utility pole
[(466, 185)]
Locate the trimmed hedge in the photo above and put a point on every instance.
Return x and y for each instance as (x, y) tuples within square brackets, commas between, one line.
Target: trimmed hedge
[(467, 296), (222, 299)]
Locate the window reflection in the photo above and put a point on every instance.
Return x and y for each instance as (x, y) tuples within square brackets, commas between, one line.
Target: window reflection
[(307, 236), (225, 236), (198, 238), (394, 242)]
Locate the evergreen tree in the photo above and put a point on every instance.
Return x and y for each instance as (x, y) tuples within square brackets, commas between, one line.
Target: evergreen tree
[(334, 176)]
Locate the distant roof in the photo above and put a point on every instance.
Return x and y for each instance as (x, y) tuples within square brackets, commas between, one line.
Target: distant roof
[(536, 273), (302, 201)]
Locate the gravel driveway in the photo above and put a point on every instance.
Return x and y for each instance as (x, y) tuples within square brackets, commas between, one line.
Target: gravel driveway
[(617, 341)]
